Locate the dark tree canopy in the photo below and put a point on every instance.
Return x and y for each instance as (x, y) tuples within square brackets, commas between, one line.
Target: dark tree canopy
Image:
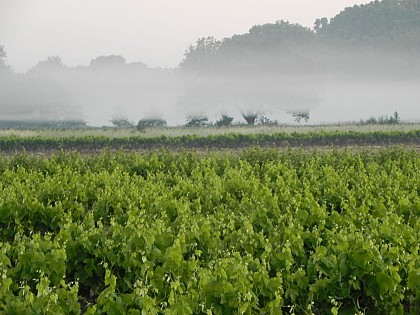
[(4, 68), (386, 25), (38, 99), (279, 35), (285, 65), (115, 64), (106, 61), (265, 47), (3, 54), (201, 55), (267, 66), (281, 66), (391, 24), (50, 66)]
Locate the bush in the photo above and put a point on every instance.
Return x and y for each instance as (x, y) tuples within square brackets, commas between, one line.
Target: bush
[(122, 123), (196, 121), (298, 116), (382, 120), (150, 123), (224, 121), (265, 121)]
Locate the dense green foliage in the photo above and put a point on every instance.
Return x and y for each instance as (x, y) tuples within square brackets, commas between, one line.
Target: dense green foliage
[(287, 66), (269, 47), (382, 120), (261, 232), (390, 24), (228, 140), (224, 121), (150, 123), (387, 26), (3, 54), (196, 121)]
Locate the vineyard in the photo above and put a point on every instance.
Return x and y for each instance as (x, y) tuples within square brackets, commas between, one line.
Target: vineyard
[(225, 139), (259, 231)]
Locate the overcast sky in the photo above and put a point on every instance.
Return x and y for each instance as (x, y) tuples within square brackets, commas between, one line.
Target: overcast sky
[(156, 32)]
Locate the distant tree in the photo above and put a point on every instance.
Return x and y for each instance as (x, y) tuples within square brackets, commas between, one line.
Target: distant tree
[(267, 66), (265, 46), (40, 95), (108, 61), (38, 101), (279, 35), (196, 121), (52, 61), (320, 23), (4, 69), (250, 117), (224, 121), (391, 24), (150, 123), (51, 66), (201, 54), (71, 124), (396, 119), (122, 122), (298, 116), (382, 120), (266, 121), (137, 65), (380, 38), (3, 53), (5, 77)]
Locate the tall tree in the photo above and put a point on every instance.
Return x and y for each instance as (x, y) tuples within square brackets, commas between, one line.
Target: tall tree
[(265, 69), (5, 74), (201, 55), (50, 66), (108, 61), (375, 39), (4, 68), (3, 54), (390, 24), (268, 46)]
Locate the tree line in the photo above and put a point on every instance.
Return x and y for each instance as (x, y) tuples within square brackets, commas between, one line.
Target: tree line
[(279, 65)]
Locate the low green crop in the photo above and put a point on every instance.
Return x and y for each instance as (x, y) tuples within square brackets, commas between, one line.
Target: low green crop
[(259, 232), (13, 143)]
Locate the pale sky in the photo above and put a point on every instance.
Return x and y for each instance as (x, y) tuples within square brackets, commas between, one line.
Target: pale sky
[(156, 32)]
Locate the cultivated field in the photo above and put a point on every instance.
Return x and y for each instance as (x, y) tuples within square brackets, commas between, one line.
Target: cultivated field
[(208, 131), (202, 231), (209, 138)]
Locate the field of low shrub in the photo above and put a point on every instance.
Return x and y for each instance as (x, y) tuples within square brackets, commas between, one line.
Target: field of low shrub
[(255, 232), (12, 142)]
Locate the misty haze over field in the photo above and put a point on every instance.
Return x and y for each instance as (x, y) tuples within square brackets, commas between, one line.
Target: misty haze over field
[(363, 62)]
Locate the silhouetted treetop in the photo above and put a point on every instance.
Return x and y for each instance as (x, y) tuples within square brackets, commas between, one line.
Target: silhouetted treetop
[(387, 25), (281, 33), (3, 54), (48, 66), (115, 63), (268, 47), (106, 61), (201, 54), (391, 24), (4, 69)]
